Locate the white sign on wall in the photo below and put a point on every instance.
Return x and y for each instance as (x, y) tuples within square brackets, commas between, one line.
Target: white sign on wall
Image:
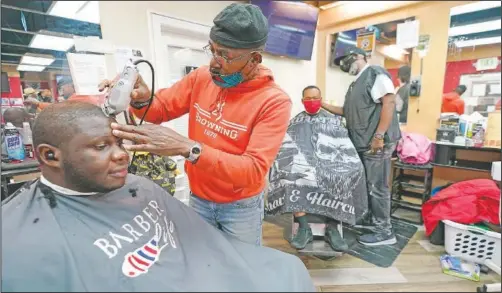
[(486, 63), (407, 34)]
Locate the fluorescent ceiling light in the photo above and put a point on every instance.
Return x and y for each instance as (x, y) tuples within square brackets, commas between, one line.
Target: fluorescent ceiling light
[(89, 12), (47, 42), (37, 60), (472, 7), (66, 9), (290, 28), (346, 41), (80, 10), (344, 35), (478, 42), (36, 68), (475, 28)]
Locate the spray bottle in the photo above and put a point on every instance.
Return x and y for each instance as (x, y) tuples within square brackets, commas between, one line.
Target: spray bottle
[(14, 143)]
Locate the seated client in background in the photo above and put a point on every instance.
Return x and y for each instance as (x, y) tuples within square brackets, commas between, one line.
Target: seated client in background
[(318, 172)]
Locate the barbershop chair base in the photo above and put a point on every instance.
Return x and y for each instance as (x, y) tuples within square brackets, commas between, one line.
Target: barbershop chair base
[(319, 247)]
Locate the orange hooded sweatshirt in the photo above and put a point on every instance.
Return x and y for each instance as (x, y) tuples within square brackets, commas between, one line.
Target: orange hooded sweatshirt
[(452, 103), (240, 130)]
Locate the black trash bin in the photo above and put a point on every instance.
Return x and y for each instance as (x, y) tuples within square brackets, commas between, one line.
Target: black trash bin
[(437, 236)]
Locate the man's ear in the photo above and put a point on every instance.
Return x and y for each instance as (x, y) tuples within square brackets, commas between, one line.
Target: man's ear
[(257, 58), (49, 155)]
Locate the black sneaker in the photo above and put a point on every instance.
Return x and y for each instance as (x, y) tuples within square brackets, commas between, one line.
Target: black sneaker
[(302, 237), (377, 239), (335, 240)]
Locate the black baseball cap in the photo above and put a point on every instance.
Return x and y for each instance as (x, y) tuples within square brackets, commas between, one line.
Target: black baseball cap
[(349, 51)]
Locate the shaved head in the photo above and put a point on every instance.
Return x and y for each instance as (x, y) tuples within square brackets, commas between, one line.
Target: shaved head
[(76, 148), (58, 123), (16, 116)]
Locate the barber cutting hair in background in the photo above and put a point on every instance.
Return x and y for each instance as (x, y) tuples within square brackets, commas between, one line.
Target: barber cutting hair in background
[(65, 84), (373, 126), (238, 117)]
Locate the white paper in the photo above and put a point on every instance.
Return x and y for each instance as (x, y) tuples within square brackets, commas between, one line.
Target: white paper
[(87, 72), (479, 90), (476, 117), (93, 44), (407, 34), (471, 101), (494, 89), (490, 109), (123, 54), (16, 102)]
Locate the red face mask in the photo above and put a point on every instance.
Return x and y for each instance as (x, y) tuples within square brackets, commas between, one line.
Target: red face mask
[(312, 106)]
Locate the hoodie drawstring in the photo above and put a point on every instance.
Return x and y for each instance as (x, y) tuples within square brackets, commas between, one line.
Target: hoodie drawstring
[(216, 107)]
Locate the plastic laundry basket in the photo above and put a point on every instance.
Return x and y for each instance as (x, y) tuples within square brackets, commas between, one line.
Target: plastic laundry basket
[(471, 243)]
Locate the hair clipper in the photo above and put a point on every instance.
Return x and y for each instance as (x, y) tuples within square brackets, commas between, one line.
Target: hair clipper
[(119, 97)]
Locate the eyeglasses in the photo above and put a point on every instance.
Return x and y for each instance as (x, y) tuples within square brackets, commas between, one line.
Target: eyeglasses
[(222, 58)]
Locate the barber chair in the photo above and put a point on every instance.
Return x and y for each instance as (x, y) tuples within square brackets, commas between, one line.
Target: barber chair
[(319, 247)]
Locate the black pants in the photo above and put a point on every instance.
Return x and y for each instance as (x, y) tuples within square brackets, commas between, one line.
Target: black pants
[(378, 171)]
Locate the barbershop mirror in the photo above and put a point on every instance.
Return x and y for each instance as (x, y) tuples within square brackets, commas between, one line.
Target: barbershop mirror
[(380, 42), (472, 79), (37, 37)]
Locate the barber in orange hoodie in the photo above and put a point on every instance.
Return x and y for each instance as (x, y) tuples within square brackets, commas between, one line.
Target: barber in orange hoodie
[(238, 117)]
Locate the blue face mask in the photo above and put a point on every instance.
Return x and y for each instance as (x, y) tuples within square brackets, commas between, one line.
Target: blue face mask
[(227, 81)]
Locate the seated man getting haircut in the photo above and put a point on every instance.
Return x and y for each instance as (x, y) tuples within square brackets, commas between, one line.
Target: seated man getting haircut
[(318, 172), (87, 225)]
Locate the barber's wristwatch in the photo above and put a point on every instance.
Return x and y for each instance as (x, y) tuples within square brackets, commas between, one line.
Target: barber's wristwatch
[(379, 136), (194, 153), (139, 105)]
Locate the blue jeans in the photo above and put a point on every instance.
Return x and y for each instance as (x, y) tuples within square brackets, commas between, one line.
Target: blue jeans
[(378, 171), (242, 219)]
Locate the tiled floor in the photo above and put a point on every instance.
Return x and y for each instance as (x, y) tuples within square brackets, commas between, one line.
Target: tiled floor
[(417, 269)]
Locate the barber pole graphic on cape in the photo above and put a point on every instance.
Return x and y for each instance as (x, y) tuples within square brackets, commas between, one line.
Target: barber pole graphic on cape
[(139, 262), (318, 171)]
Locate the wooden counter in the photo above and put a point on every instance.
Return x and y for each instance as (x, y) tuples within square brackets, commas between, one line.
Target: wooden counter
[(455, 162), (468, 163)]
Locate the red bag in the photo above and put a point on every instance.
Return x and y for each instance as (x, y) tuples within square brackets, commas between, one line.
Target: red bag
[(465, 202)]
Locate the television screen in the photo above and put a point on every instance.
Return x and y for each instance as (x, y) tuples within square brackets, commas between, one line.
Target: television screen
[(292, 27), (5, 83), (341, 41)]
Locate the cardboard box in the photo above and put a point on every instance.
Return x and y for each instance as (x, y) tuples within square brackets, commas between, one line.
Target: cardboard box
[(493, 128)]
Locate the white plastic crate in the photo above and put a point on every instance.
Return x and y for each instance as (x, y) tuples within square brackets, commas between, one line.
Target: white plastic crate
[(471, 243)]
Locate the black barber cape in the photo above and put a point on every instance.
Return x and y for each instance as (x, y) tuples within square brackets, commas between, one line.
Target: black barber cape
[(137, 238), (318, 171)]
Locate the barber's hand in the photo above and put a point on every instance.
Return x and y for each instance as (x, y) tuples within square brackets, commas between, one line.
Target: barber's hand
[(376, 146), (140, 93), (155, 139)]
